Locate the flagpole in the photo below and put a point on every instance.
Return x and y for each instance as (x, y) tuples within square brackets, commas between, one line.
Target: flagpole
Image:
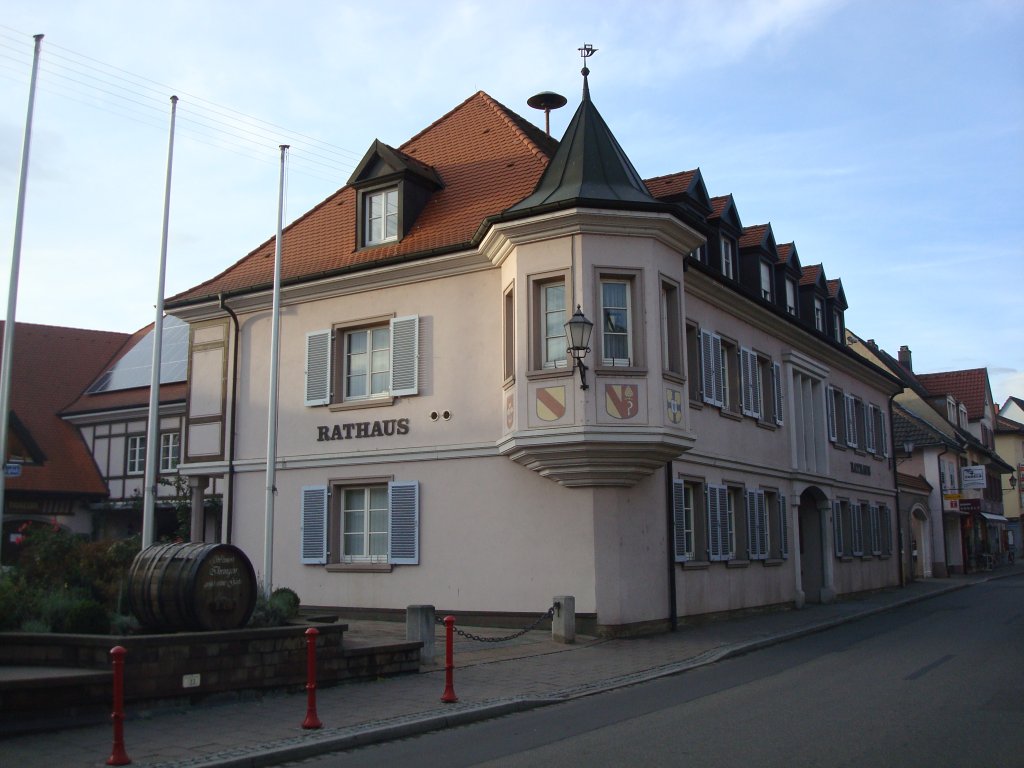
[(153, 425), (12, 290), (275, 343)]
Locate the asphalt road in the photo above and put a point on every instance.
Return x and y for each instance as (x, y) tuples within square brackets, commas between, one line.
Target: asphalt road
[(938, 683)]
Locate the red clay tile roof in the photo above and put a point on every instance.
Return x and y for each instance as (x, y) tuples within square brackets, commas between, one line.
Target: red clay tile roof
[(718, 205), (784, 251), (51, 366), (754, 235), (970, 386), (811, 274), (916, 482), (488, 158), (671, 185)]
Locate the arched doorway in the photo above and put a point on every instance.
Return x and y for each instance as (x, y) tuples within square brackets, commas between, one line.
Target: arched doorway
[(811, 517)]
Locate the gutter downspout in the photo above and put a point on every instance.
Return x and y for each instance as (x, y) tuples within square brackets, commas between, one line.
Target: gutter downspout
[(896, 483), (673, 616), (229, 507), (942, 516)]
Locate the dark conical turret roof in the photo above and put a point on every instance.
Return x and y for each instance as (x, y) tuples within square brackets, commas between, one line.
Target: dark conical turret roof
[(589, 168)]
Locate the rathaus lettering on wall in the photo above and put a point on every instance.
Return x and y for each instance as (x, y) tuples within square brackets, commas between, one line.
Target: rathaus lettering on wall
[(385, 428)]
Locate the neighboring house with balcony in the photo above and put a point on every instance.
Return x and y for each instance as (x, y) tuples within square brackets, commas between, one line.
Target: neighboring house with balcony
[(721, 450)]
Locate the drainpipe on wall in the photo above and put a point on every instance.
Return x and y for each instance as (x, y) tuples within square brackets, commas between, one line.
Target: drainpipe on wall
[(942, 515), (896, 483), (226, 535), (673, 615)]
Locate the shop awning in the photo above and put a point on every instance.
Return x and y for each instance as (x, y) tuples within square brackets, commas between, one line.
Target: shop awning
[(993, 518)]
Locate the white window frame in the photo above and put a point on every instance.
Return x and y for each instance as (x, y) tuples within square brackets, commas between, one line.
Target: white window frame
[(837, 326), (366, 533), (791, 293), (403, 356), (386, 219), (370, 336), (607, 322), (766, 281), (671, 328), (551, 360), (135, 455), (403, 543), (819, 314), (728, 250), (170, 451)]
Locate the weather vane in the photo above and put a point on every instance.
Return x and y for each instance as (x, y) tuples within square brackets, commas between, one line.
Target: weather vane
[(585, 53)]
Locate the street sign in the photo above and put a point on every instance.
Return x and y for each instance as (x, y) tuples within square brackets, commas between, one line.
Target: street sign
[(12, 469)]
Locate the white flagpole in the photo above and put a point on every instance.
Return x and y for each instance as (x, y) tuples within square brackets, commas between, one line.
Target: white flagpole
[(153, 426), (275, 343), (12, 290)]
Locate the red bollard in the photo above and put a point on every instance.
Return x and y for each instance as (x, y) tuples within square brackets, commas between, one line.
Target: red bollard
[(449, 697), (311, 721), (118, 756)]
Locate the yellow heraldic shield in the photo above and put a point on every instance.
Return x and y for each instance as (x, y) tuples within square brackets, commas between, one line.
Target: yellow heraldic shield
[(620, 400), (550, 403)]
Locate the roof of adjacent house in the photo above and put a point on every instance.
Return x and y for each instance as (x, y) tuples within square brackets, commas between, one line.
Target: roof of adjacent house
[(488, 158), (913, 482), (51, 367), (119, 399), (1006, 426), (969, 386)]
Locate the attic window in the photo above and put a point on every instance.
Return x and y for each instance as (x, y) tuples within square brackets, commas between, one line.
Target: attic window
[(380, 207)]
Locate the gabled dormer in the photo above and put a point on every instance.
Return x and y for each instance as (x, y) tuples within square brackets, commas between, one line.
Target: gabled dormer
[(724, 233), (758, 255), (836, 308), (787, 279), (392, 189), (814, 298), (687, 190)]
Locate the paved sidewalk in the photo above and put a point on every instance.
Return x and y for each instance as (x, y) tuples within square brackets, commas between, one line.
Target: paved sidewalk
[(489, 680)]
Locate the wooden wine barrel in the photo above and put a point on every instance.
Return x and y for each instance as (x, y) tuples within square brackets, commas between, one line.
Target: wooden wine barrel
[(192, 586)]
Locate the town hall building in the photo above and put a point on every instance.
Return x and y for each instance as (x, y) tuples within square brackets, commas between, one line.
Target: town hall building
[(714, 446)]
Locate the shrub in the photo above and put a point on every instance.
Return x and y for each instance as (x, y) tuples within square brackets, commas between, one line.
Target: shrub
[(286, 600)]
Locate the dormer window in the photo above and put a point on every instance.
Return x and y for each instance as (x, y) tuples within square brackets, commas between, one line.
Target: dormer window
[(791, 296), (962, 413), (392, 189), (819, 315), (837, 326), (381, 210), (951, 410), (766, 281), (728, 258)]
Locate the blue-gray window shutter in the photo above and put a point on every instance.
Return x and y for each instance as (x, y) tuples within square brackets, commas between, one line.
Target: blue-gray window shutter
[(314, 524), (318, 368), (837, 527), (404, 523), (681, 530), (405, 355)]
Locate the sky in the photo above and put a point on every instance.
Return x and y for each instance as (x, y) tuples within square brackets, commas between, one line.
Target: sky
[(885, 138)]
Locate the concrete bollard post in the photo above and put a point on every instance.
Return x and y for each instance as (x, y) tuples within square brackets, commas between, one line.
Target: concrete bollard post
[(563, 622), (419, 627)]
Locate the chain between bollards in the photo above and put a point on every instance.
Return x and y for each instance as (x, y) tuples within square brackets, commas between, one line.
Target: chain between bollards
[(311, 721), (118, 756)]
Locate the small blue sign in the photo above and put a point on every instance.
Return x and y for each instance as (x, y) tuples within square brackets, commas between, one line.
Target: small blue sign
[(12, 469)]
